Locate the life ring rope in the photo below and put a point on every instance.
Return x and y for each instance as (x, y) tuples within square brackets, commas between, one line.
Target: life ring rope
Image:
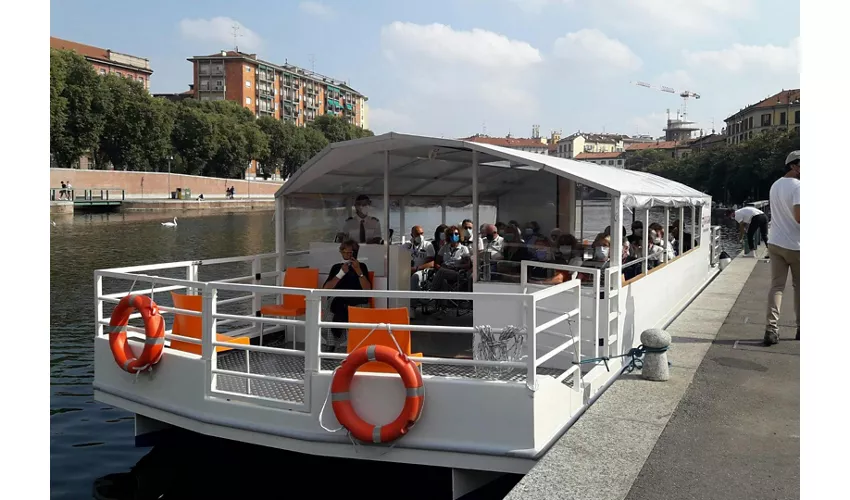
[(341, 398)]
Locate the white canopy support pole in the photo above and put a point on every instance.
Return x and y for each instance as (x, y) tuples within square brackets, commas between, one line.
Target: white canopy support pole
[(385, 228), (401, 224), (682, 231), (645, 263), (666, 234), (693, 226), (279, 235), (443, 211), (581, 215), (613, 286), (475, 232)]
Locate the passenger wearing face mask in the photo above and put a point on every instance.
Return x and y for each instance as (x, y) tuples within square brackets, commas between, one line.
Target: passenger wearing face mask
[(439, 238), (542, 251), (421, 255), (491, 242), (361, 228), (467, 233), (531, 233), (453, 258), (569, 252)]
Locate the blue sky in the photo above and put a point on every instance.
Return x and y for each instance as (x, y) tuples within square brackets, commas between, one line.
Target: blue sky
[(454, 68)]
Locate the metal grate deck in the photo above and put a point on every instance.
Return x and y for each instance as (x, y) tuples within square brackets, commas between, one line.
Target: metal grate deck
[(289, 366)]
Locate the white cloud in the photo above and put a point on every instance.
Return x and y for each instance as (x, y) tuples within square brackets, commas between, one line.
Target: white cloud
[(316, 9), (746, 58), (669, 19), (649, 124), (592, 51), (455, 79), (220, 30), (382, 120), (536, 6), (441, 44)]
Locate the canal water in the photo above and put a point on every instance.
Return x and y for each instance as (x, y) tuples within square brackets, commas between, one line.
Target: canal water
[(90, 439)]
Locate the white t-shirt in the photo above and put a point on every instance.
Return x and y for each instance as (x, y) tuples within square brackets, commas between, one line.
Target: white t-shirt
[(746, 214), (420, 254), (784, 229), (494, 248)]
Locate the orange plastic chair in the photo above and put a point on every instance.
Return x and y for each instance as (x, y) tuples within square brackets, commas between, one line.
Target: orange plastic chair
[(293, 305), (191, 326), (396, 315)]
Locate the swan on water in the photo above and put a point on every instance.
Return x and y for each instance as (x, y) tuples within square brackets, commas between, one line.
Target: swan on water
[(53, 223), (170, 224)]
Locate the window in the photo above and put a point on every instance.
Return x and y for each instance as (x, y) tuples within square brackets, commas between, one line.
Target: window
[(750, 124), (797, 117), (247, 100), (751, 135), (619, 162), (610, 162), (765, 119), (782, 118), (118, 73), (102, 71), (248, 83), (247, 69)]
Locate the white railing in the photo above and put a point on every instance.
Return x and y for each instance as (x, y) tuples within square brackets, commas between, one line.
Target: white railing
[(716, 249), (313, 323)]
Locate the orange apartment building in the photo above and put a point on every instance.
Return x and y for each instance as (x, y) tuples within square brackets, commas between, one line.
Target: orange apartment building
[(108, 61), (284, 92)]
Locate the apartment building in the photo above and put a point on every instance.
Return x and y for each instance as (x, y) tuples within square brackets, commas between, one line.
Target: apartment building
[(582, 142), (533, 145), (780, 111), (285, 91), (107, 61)]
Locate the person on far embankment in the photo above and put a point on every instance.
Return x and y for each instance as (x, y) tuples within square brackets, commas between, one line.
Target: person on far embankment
[(784, 245)]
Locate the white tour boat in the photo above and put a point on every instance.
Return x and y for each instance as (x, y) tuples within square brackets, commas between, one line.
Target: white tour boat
[(528, 362)]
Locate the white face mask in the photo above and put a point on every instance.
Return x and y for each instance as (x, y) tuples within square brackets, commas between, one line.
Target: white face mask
[(442, 236), (566, 250), (601, 252), (417, 240), (468, 233)]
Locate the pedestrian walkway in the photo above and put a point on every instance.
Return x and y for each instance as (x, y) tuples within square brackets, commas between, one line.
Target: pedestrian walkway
[(726, 424), (736, 432)]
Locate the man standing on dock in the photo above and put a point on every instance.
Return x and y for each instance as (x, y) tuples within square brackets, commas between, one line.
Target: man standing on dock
[(784, 245)]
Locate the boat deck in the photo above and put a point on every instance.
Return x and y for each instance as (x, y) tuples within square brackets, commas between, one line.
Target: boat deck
[(292, 366)]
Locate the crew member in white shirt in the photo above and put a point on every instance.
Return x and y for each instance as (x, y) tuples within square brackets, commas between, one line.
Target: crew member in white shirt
[(784, 245), (361, 228), (749, 219), (422, 254)]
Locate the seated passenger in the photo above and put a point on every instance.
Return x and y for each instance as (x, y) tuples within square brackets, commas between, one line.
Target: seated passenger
[(532, 233), (491, 242), (422, 255), (347, 275), (466, 234), (361, 228), (636, 238), (687, 239), (541, 252), (439, 238), (452, 259), (554, 235), (570, 252)]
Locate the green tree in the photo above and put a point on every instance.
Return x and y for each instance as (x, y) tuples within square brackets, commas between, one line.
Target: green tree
[(79, 95), (193, 138), (137, 135), (275, 131)]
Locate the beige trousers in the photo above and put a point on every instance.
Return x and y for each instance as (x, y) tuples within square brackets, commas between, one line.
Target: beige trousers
[(781, 260)]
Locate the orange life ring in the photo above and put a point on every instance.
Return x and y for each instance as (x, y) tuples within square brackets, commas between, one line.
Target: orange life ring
[(154, 333), (341, 395)]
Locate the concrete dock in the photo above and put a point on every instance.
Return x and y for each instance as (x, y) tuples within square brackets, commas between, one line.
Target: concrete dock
[(726, 424)]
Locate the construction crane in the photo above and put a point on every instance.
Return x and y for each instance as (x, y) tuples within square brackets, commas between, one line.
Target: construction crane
[(685, 95)]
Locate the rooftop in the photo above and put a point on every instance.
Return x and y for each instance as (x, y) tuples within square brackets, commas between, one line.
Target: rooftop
[(507, 142), (782, 98), (106, 56), (642, 146), (603, 138), (599, 156)]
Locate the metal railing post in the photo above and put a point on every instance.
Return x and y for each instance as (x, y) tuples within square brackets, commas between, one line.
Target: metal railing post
[(98, 304), (531, 331), (257, 271), (192, 275), (208, 327), (312, 334)]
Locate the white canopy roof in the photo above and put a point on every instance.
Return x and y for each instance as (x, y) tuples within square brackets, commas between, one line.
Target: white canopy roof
[(442, 168)]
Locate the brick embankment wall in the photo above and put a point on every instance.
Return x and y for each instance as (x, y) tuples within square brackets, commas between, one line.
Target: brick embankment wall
[(61, 208), (156, 184)]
